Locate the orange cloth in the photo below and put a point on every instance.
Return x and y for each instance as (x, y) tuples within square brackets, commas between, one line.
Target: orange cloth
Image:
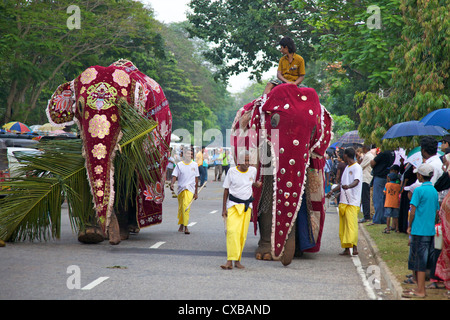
[(392, 191)]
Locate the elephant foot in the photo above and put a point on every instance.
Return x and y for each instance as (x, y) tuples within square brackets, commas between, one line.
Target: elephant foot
[(263, 252), (91, 235), (124, 234), (114, 230), (263, 256), (133, 229)]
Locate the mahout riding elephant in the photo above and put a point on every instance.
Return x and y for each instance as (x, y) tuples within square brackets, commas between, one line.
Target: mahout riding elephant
[(91, 101), (286, 133)]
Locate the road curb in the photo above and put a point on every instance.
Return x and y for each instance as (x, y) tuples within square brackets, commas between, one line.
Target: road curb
[(385, 272)]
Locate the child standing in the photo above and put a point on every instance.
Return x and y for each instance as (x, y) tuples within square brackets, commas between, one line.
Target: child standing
[(237, 204), (392, 190), (186, 172), (424, 207)]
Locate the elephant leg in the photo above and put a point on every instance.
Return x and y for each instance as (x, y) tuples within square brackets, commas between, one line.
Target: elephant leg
[(133, 226), (122, 219), (114, 230), (263, 252), (289, 248)]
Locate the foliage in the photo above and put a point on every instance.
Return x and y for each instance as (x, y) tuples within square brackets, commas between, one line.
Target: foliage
[(39, 51), (346, 37), (341, 125), (245, 34), (420, 83)]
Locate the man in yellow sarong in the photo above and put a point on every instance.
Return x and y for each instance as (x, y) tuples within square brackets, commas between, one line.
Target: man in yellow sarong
[(237, 204), (350, 202), (186, 172)]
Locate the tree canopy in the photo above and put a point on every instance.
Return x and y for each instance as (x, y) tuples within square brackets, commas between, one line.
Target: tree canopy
[(372, 64), (379, 64)]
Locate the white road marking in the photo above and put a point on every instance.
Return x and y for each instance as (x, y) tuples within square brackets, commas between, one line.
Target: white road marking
[(214, 211), (157, 245), (357, 262), (369, 288), (192, 224), (94, 283)]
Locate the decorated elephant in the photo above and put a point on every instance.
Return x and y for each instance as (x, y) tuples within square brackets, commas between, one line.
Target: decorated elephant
[(287, 133), (91, 101)]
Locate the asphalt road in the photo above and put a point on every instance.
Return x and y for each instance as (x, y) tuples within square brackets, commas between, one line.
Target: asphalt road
[(161, 263)]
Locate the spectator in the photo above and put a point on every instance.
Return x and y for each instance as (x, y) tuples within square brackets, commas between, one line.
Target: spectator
[(443, 262), (424, 207), (392, 204), (225, 161), (367, 179), (408, 179), (201, 169), (380, 165), (428, 147), (445, 146)]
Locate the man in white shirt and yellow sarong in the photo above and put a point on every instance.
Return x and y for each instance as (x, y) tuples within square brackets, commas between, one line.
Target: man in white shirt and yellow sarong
[(186, 172), (237, 207), (350, 202)]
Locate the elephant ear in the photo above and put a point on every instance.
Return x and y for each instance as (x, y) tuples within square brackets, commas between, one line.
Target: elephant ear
[(61, 106)]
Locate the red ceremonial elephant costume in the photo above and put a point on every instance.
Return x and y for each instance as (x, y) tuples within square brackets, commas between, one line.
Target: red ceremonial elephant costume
[(91, 102), (286, 133)]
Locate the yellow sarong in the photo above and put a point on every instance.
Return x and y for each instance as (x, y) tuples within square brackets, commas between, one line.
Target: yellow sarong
[(237, 229), (348, 225), (184, 198)]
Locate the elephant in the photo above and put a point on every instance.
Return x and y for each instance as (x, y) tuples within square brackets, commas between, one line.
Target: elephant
[(91, 102), (286, 133)]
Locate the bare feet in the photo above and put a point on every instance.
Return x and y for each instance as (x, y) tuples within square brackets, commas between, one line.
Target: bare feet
[(227, 266)]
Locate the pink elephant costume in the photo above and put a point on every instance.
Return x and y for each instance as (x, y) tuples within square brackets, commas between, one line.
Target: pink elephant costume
[(287, 133), (91, 102)]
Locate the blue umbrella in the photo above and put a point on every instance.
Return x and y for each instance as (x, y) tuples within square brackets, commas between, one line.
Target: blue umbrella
[(440, 117), (413, 128)]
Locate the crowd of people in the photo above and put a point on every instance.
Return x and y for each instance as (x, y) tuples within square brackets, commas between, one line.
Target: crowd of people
[(412, 199)]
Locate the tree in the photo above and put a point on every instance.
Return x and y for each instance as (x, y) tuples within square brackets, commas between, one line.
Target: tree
[(245, 34), (419, 84), (38, 47)]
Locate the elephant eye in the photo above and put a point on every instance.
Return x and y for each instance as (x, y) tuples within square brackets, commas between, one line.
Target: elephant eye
[(275, 120), (80, 107)]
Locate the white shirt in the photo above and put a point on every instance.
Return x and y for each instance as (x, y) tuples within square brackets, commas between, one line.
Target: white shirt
[(436, 163), (239, 184), (366, 168), (352, 196), (186, 174)]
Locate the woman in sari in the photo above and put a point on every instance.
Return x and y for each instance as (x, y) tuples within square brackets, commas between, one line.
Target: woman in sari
[(443, 263)]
